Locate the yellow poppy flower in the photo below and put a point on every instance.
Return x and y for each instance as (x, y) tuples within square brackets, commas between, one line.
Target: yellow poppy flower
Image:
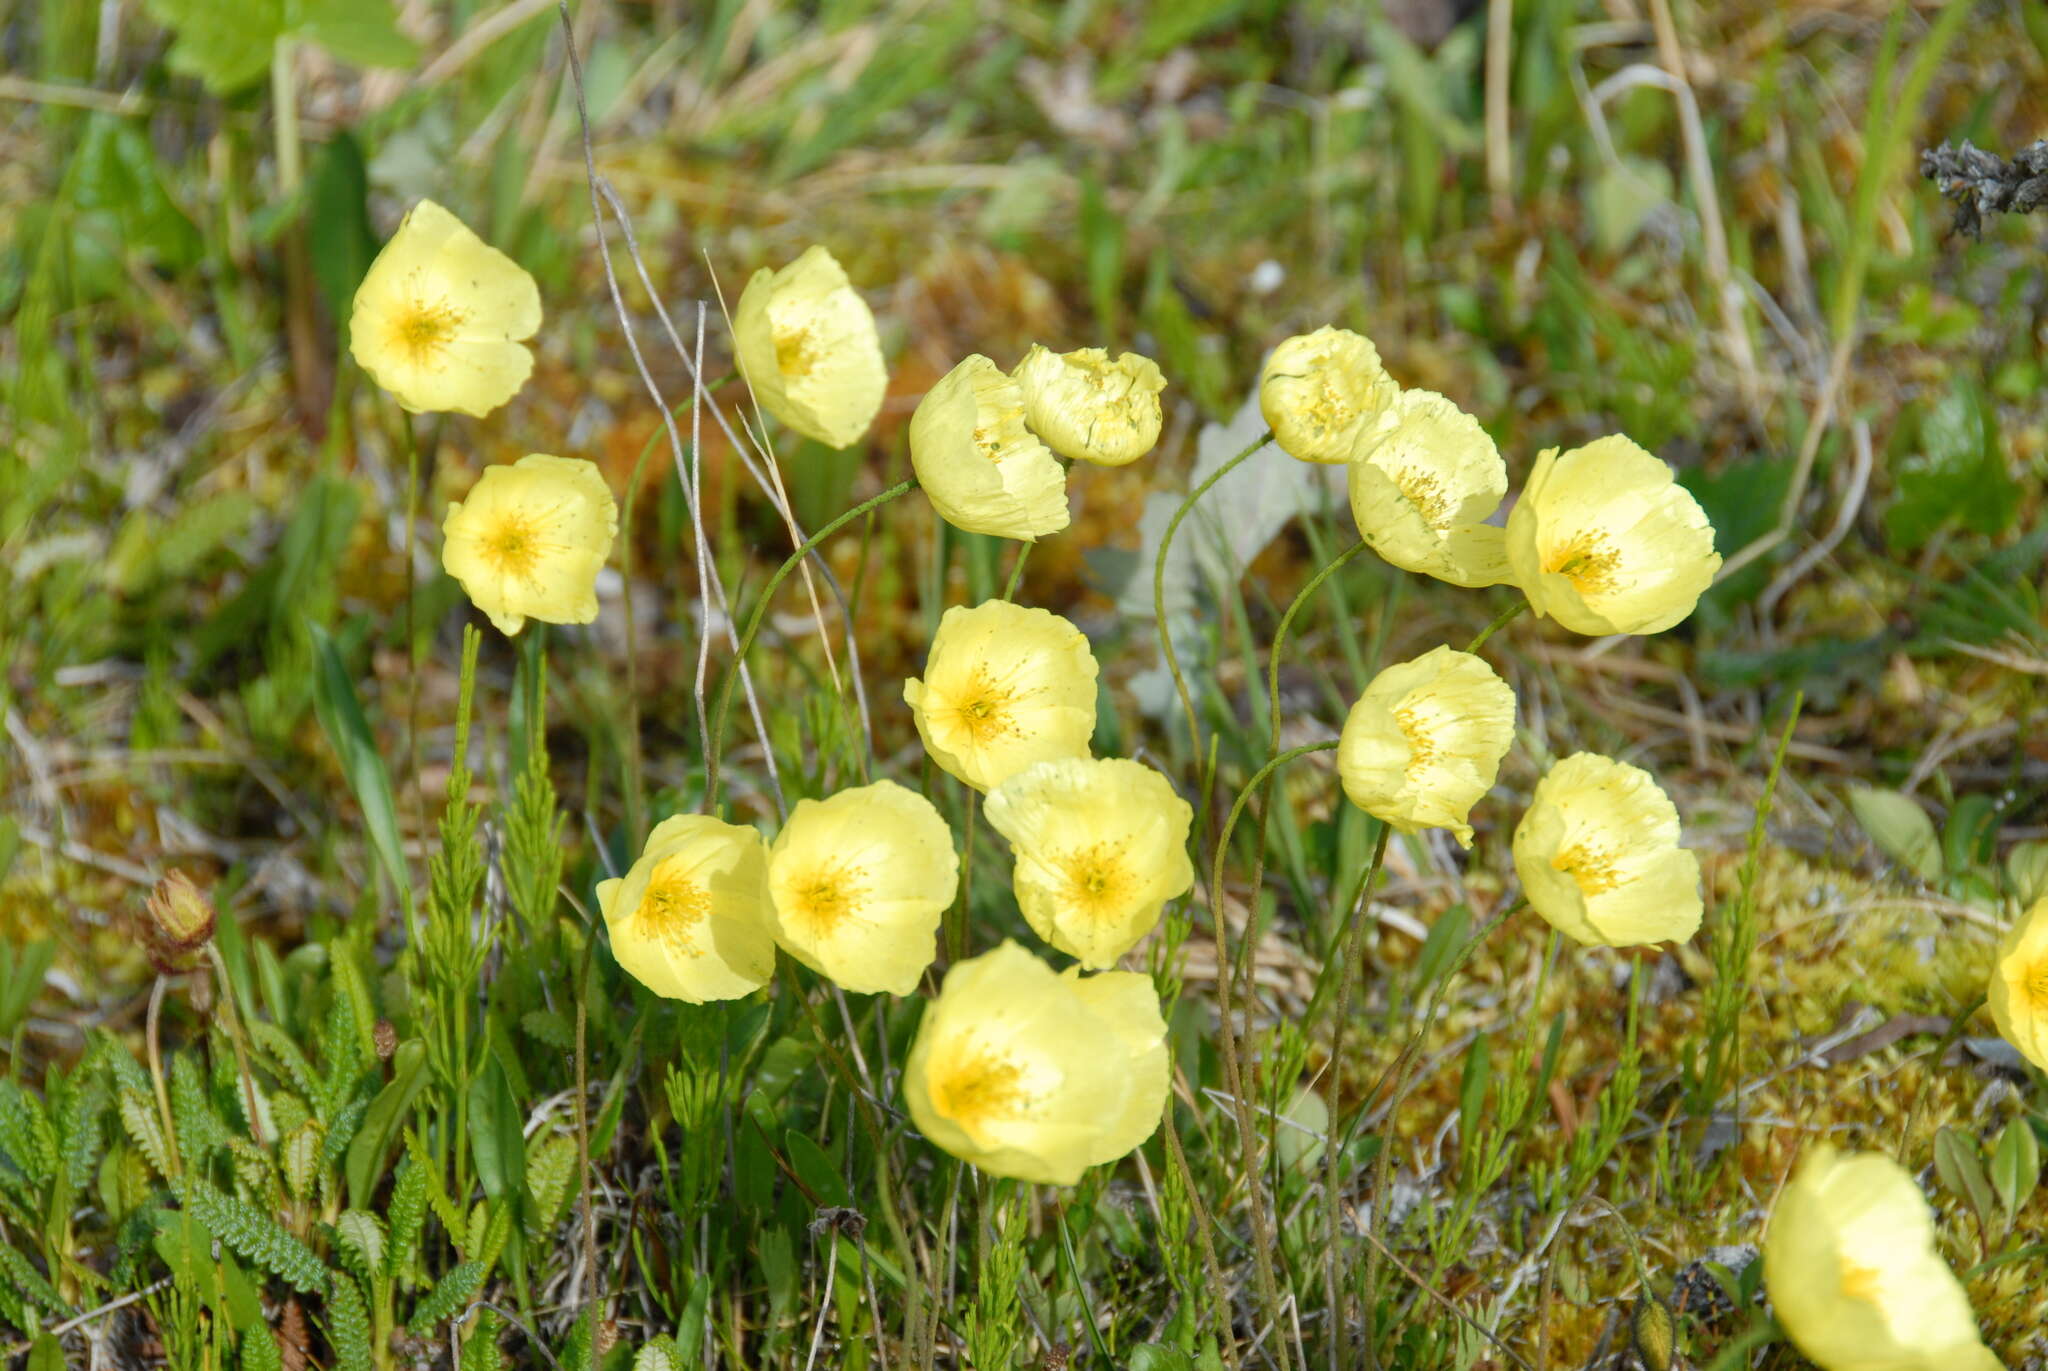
[(1424, 741), (1603, 540), (859, 882), (981, 468), (1599, 858), (530, 539), (1324, 393), (1422, 487), (806, 343), (1004, 688), (1101, 846), (1089, 408), (1037, 1075), (691, 920), (2018, 993), (440, 318), (1854, 1276)]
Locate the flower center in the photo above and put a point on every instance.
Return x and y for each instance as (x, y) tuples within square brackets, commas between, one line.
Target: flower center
[(1098, 882), (980, 1088), (1422, 749), (984, 709), (1860, 1282), (422, 330), (512, 545), (828, 896), (1588, 563), (1329, 408), (2037, 985), (672, 908), (1590, 868), (795, 352), (1425, 491)]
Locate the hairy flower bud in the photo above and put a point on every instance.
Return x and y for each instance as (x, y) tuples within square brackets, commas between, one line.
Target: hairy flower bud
[(179, 923)]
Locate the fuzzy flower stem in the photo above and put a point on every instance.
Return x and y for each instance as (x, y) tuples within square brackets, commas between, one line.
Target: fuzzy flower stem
[(1506, 617), (761, 604), (1180, 683), (1301, 599)]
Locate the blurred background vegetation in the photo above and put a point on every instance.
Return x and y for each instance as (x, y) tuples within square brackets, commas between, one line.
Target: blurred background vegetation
[(1699, 222)]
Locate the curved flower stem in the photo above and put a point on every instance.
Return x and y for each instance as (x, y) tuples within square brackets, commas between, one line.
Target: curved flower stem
[(1301, 599), (1180, 683), (1506, 617), (761, 604), (1017, 572), (1333, 1267), (1247, 1131)]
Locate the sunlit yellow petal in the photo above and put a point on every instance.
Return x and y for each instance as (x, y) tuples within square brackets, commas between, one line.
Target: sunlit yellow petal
[(807, 345), (1035, 1075), (1324, 393), (859, 882), (1100, 846), (1087, 407), (981, 468), (1005, 687), (691, 919), (441, 317), (1424, 742), (1854, 1276), (1599, 858), (1603, 540), (1422, 487), (2018, 993), (530, 540)]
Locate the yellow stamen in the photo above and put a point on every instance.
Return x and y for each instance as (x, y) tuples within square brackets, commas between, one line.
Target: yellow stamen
[(672, 907), (829, 895), (1592, 869), (984, 709), (2037, 986), (978, 1089), (1588, 563), (423, 329), (1425, 491), (1860, 1282), (795, 353), (1422, 749), (512, 545), (1097, 880)]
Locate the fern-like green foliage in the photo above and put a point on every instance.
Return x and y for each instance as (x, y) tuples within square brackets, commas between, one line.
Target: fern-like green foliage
[(480, 1350), (33, 1287), (27, 1147), (285, 1056), (408, 1212), (550, 1172), (660, 1353), (252, 1234), (85, 1100), (360, 1244), (197, 1123), (454, 1290), (299, 1158), (533, 829), (348, 1326)]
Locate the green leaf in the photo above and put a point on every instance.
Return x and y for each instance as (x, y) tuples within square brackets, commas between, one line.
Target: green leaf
[(1623, 196), (299, 1158), (21, 968), (1900, 828), (408, 1212), (338, 234), (385, 1118), (816, 1170), (1960, 1165), (348, 732), (197, 1123), (348, 1326), (139, 1119), (2016, 1166), (454, 1290), (550, 1175), (363, 33), (359, 1241), (252, 1234), (497, 1136), (226, 46), (46, 1353), (1956, 474)]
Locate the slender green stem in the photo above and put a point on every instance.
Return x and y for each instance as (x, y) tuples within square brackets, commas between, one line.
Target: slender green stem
[(1301, 600), (1502, 620), (753, 629), (1247, 1131), (1335, 1287), (1017, 571), (1180, 683), (1080, 1286)]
